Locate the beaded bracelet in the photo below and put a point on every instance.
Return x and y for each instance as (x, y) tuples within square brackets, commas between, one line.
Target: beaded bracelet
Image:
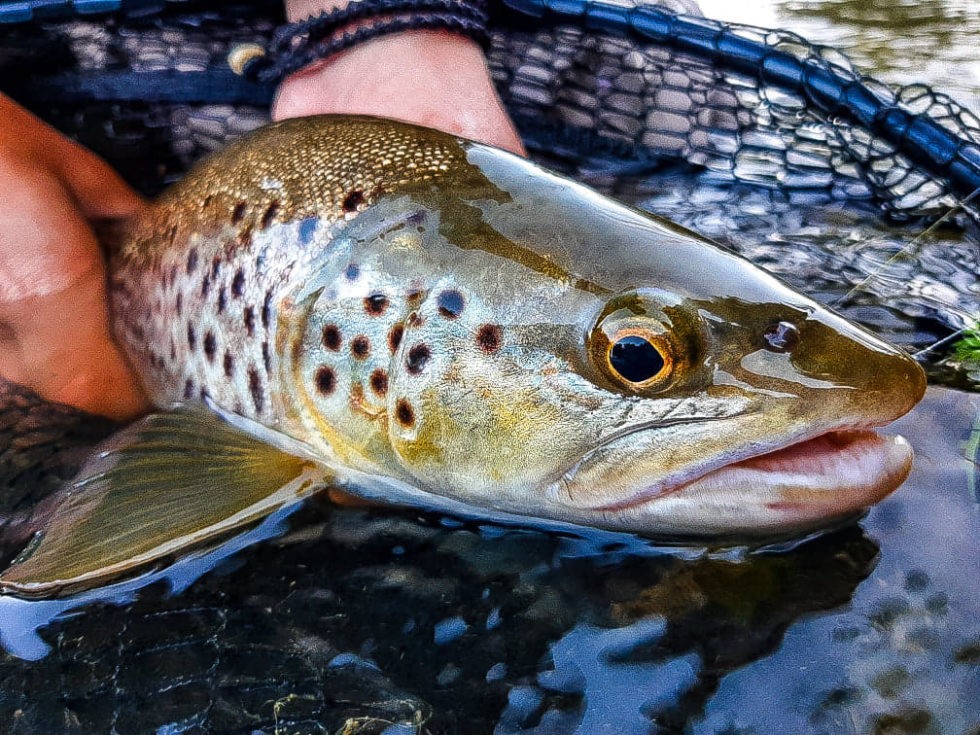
[(296, 45)]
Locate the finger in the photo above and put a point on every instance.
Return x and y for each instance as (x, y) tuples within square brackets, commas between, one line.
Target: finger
[(100, 192), (53, 308), (63, 350)]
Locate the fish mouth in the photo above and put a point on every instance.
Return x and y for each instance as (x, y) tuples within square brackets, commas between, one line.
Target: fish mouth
[(805, 484), (811, 479)]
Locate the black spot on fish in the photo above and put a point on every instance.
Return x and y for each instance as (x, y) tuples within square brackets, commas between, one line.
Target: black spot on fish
[(326, 380), (215, 267), (267, 309), (255, 388), (238, 213), (210, 345), (188, 389), (203, 393), (205, 285), (395, 336), (417, 358), (238, 284), (379, 382), (222, 300), (191, 336), (179, 304), (404, 413), (229, 365), (306, 230), (489, 337), (269, 215), (375, 304), (191, 261), (248, 316), (352, 272), (353, 200), (360, 346), (266, 358), (331, 337), (450, 303)]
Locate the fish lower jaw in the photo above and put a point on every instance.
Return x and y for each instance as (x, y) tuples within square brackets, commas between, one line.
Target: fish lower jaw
[(805, 485)]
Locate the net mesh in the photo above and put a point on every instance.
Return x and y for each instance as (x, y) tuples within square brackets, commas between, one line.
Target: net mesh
[(738, 123), (572, 84)]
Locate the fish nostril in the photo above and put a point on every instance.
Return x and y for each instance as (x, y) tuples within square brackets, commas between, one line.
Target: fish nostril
[(781, 337)]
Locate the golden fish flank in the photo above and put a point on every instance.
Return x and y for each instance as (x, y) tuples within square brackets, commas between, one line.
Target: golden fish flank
[(425, 319)]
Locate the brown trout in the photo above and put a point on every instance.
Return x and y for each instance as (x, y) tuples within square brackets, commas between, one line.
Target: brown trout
[(406, 316)]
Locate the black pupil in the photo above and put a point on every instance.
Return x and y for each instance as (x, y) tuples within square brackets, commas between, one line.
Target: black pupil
[(635, 359)]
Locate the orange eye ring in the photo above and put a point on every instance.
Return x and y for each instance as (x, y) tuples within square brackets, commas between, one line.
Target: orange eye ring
[(638, 357)]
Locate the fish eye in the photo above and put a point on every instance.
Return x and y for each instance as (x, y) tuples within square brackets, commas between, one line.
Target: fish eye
[(642, 343), (635, 353), (635, 358)]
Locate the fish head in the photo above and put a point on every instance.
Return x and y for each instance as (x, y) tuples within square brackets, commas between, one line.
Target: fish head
[(583, 361)]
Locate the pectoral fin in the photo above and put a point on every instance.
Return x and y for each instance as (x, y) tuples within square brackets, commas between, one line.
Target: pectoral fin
[(166, 484)]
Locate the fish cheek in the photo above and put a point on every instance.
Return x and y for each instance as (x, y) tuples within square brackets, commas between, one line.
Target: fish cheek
[(479, 430)]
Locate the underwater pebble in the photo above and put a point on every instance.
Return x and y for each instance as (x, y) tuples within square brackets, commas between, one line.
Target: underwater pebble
[(522, 703), (497, 672), (351, 659), (449, 674), (448, 630), (399, 728)]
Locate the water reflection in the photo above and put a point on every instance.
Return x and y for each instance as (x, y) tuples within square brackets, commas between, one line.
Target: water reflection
[(581, 642)]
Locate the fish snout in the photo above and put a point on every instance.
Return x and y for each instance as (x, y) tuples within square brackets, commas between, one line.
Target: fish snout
[(858, 373)]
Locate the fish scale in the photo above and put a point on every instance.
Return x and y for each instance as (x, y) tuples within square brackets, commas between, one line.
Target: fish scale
[(219, 252)]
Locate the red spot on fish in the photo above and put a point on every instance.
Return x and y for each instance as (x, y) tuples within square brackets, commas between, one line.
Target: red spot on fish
[(379, 382), (489, 338), (326, 380), (360, 346), (331, 337), (375, 304), (417, 358), (404, 413), (395, 336)]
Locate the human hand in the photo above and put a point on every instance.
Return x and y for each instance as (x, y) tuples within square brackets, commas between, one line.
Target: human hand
[(54, 326), (433, 78)]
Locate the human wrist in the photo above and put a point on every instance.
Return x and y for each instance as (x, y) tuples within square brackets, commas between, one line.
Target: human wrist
[(432, 77)]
